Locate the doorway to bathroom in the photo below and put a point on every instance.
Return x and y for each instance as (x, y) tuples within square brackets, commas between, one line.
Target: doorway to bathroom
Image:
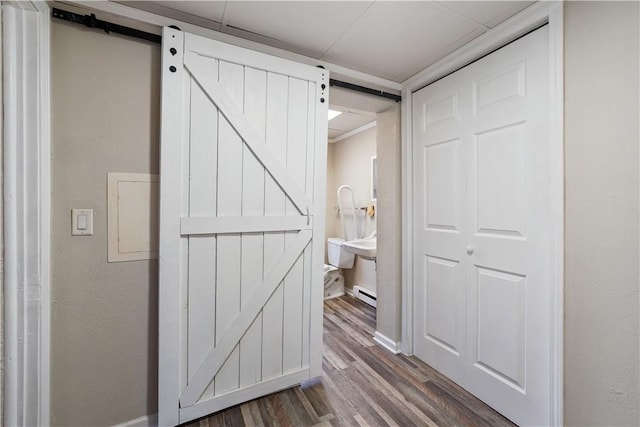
[(363, 144), (351, 202)]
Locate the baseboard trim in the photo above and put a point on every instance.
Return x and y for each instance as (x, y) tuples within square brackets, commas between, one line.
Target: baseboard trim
[(389, 344), (144, 421), (365, 295)]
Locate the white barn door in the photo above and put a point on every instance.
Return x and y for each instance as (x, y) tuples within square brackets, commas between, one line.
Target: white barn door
[(243, 164), (482, 228)]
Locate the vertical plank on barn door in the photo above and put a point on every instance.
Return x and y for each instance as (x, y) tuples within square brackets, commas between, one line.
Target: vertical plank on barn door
[(230, 151), (202, 249), (274, 204), (253, 176), (293, 282), (310, 173), (172, 342)]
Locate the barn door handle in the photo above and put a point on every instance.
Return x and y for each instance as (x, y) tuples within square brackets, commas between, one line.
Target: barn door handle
[(308, 216)]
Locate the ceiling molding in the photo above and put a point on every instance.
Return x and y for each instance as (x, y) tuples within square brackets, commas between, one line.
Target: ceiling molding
[(353, 132)]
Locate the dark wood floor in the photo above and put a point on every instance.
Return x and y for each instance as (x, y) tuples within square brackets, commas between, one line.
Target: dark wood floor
[(362, 384)]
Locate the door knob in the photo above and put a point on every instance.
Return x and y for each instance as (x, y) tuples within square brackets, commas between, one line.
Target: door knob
[(469, 250)]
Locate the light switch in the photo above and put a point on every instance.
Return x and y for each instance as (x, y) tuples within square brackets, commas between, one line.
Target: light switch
[(81, 222)]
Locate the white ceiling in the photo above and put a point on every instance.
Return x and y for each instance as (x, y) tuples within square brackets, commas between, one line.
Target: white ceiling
[(389, 39), (347, 122)]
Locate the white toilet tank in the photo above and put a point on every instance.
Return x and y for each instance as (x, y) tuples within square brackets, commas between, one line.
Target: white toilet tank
[(337, 256)]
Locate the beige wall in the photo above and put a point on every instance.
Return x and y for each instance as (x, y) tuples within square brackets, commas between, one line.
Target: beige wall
[(1, 239), (349, 162), (105, 118), (389, 273), (601, 142)]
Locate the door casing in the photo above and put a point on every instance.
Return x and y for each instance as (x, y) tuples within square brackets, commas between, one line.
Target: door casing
[(26, 144)]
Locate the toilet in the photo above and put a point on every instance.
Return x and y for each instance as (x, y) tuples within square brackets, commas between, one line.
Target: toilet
[(338, 258)]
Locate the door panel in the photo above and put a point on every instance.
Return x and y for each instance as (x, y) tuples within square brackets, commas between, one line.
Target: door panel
[(506, 85), (439, 190), (481, 188), (513, 245), (241, 201), (442, 186), (443, 285), (501, 181), (501, 325)]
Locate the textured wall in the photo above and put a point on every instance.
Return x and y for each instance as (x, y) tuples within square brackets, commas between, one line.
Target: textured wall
[(1, 240), (389, 224), (350, 163), (601, 142), (105, 118)]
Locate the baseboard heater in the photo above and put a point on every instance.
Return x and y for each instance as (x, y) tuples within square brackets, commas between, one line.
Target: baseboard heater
[(365, 295)]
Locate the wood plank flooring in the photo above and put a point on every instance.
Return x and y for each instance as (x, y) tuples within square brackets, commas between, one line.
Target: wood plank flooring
[(362, 384)]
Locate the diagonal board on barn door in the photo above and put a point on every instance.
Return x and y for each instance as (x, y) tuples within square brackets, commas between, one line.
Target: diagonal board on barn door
[(195, 64), (239, 325)]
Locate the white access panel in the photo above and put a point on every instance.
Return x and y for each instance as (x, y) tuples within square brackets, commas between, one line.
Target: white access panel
[(243, 161), (482, 222), (132, 216)]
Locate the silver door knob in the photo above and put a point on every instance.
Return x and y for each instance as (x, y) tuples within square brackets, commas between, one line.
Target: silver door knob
[(469, 250)]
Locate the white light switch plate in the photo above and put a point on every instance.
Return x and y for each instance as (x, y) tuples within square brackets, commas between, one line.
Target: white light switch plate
[(82, 222)]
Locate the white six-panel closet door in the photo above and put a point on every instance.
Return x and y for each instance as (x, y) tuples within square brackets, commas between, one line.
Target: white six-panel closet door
[(482, 222)]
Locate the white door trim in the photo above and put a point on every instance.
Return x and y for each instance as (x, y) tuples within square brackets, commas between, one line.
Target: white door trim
[(529, 19), (27, 212)]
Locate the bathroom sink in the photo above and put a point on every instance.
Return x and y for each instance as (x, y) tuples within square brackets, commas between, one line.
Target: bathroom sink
[(365, 248)]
